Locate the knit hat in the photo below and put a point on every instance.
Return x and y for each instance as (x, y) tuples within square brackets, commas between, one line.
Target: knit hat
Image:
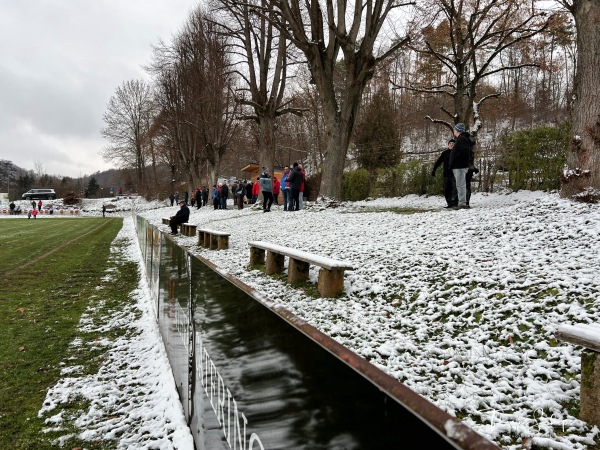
[(460, 127)]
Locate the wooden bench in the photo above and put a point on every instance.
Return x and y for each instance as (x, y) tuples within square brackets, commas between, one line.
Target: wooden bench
[(188, 229), (587, 336), (331, 273), (166, 220), (213, 239)]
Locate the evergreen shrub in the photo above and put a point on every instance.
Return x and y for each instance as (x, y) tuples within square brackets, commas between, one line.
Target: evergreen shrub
[(355, 185), (535, 158), (70, 198), (411, 177)]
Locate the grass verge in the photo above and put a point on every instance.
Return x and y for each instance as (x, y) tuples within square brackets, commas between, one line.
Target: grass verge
[(51, 271)]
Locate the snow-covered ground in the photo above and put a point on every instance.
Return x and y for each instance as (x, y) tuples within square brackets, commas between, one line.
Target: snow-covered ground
[(461, 306)]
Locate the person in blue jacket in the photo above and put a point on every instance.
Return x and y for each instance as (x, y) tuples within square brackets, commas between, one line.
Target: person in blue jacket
[(285, 188)]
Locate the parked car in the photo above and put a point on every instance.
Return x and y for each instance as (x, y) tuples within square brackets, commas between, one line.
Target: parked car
[(39, 194)]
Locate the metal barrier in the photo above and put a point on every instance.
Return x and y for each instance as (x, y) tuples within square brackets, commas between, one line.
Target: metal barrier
[(254, 376)]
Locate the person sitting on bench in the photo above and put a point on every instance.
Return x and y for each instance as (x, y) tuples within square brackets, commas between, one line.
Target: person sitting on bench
[(182, 216)]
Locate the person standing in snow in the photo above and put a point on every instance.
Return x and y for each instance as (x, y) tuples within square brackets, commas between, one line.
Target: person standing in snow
[(285, 188), (255, 190), (295, 179), (449, 184), (301, 193), (459, 163), (240, 195), (198, 197), (204, 195), (276, 189), (266, 187), (215, 197), (224, 195), (40, 205)]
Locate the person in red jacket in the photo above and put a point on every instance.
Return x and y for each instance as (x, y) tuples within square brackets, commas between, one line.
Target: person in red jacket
[(255, 190), (301, 195), (276, 189)]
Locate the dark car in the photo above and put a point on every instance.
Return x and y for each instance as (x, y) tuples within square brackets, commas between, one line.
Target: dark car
[(39, 194)]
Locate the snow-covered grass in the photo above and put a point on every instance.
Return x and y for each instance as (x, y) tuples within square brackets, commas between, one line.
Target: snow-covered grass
[(461, 306)]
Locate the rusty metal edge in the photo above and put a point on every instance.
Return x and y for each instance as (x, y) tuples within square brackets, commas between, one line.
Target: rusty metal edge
[(448, 427)]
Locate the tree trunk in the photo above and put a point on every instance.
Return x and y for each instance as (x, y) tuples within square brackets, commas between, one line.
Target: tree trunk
[(334, 162), (266, 142), (581, 177)]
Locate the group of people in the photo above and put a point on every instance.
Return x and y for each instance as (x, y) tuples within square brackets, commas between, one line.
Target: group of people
[(244, 192), (458, 168), (199, 197), (291, 186)]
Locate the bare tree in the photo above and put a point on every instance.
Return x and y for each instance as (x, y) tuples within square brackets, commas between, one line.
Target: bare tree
[(464, 40), (349, 30), (38, 168), (262, 53), (197, 98), (581, 177), (128, 117)]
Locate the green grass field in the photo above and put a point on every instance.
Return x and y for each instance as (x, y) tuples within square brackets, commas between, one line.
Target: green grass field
[(51, 271)]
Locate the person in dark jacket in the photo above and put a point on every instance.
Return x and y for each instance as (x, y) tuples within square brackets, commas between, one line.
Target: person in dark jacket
[(182, 216), (204, 195), (249, 189), (449, 184), (224, 195), (241, 192), (295, 180), (198, 198), (459, 163)]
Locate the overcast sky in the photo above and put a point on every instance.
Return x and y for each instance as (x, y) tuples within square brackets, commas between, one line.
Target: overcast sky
[(60, 62)]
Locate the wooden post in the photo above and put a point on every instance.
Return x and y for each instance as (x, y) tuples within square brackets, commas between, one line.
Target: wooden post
[(589, 408), (331, 282), (257, 256), (297, 270), (223, 243), (275, 263)]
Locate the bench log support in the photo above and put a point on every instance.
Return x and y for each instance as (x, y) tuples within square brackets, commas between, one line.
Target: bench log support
[(297, 271), (257, 256), (585, 335), (275, 263), (331, 282), (223, 242), (589, 408)]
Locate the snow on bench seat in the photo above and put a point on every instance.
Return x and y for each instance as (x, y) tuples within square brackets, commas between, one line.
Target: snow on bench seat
[(213, 239), (331, 273), (584, 334)]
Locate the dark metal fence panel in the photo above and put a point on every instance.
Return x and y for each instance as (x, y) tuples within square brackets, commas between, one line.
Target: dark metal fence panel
[(252, 375), (259, 378), (174, 317)]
